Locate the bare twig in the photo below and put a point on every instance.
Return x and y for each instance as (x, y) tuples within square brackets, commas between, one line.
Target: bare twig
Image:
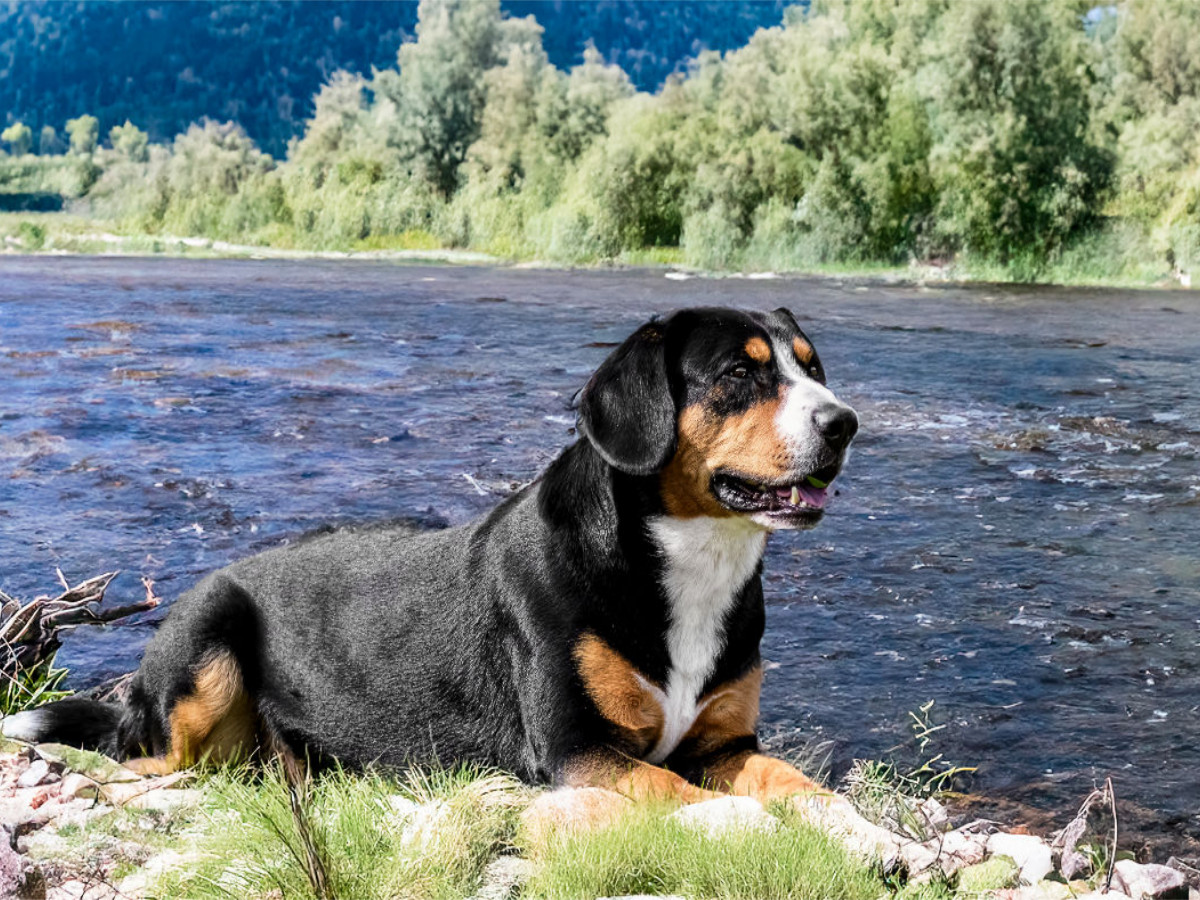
[(1112, 856)]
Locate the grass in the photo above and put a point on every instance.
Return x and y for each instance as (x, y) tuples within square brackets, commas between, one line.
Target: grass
[(30, 687), (647, 853), (250, 846), (1114, 257)]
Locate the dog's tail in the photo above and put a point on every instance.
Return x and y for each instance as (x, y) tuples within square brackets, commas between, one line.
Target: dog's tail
[(90, 724)]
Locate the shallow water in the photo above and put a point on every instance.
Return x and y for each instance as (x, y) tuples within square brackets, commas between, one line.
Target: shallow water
[(1014, 536)]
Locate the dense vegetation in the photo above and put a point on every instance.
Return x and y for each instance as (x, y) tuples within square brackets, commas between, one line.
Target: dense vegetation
[(1018, 137)]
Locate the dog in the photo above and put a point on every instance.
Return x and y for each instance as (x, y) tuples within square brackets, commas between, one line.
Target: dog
[(600, 627)]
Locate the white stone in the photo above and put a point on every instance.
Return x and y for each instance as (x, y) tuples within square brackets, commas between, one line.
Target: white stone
[(1031, 854), (166, 799), (38, 771), (76, 785), (1146, 881), (724, 814)]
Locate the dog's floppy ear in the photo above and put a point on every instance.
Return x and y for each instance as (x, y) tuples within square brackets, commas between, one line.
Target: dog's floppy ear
[(626, 409)]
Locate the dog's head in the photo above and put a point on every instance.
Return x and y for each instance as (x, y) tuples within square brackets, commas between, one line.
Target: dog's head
[(729, 409)]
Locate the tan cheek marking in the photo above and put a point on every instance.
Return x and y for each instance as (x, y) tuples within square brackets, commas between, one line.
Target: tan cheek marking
[(612, 683), (803, 350), (748, 443), (758, 350)]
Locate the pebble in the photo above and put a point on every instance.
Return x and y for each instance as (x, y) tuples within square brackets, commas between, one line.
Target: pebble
[(1031, 854)]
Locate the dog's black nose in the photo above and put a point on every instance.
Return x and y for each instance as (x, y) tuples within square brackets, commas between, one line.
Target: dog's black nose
[(837, 424)]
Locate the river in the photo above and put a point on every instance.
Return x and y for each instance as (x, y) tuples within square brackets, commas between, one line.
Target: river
[(1015, 536)]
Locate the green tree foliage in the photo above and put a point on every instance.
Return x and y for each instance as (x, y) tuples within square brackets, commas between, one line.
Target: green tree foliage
[(440, 88), (130, 141), (84, 132), (1012, 134), (19, 138), (1014, 160)]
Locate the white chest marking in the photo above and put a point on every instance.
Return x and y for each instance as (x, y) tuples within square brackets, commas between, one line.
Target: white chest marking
[(707, 561)]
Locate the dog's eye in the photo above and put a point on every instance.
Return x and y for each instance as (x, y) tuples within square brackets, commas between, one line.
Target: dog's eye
[(738, 371)]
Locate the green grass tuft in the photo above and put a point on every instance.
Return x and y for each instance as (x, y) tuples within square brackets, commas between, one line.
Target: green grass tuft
[(647, 853), (29, 687), (250, 846)]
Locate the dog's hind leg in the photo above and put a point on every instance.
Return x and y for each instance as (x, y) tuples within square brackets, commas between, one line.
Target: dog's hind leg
[(216, 721), (194, 697)]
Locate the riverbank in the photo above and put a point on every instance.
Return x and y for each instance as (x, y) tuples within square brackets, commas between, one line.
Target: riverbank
[(78, 825), (66, 234)]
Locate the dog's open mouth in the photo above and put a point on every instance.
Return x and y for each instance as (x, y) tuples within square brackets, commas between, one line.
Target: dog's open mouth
[(803, 498)]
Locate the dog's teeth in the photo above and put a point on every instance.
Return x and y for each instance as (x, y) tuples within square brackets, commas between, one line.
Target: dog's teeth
[(795, 495)]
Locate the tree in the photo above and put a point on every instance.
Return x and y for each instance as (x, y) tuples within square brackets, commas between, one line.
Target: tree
[(1015, 163), (48, 142), (130, 141), (19, 137), (441, 89), (84, 132)]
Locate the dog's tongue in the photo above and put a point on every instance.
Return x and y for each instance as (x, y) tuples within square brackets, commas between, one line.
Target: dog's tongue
[(804, 493)]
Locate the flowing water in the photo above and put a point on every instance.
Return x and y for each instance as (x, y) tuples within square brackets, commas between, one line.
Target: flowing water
[(1015, 536)]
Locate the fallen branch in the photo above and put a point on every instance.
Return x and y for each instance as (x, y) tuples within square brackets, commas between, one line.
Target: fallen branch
[(30, 633)]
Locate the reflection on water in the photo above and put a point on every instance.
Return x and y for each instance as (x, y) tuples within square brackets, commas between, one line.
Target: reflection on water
[(1014, 537)]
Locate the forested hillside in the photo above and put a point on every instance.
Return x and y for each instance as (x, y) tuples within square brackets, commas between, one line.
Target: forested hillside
[(167, 64), (1015, 138)]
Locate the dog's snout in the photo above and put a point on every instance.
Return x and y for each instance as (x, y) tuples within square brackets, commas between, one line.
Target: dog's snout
[(837, 424)]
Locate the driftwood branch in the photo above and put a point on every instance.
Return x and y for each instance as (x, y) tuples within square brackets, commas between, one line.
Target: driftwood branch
[(30, 633)]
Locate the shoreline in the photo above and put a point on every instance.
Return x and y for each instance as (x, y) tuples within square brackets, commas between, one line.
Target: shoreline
[(107, 244)]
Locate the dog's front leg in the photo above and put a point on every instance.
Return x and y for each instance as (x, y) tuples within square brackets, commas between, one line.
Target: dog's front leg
[(750, 773), (605, 767), (753, 774)]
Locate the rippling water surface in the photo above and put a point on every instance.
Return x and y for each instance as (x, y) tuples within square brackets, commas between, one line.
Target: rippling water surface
[(1015, 536)]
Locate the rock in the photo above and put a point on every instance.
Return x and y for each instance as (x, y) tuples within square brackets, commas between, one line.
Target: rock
[(1101, 895), (13, 867), (76, 785), (1149, 881), (724, 814), (503, 878), (933, 814), (135, 885), (568, 810), (1043, 890), (95, 766), (1031, 854), (998, 872), (37, 773), (165, 799)]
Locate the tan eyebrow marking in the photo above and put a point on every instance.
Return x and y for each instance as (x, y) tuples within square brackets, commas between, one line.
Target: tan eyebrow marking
[(803, 350), (758, 349)]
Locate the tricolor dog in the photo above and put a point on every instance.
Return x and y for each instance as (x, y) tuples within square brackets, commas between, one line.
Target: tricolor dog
[(600, 627)]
